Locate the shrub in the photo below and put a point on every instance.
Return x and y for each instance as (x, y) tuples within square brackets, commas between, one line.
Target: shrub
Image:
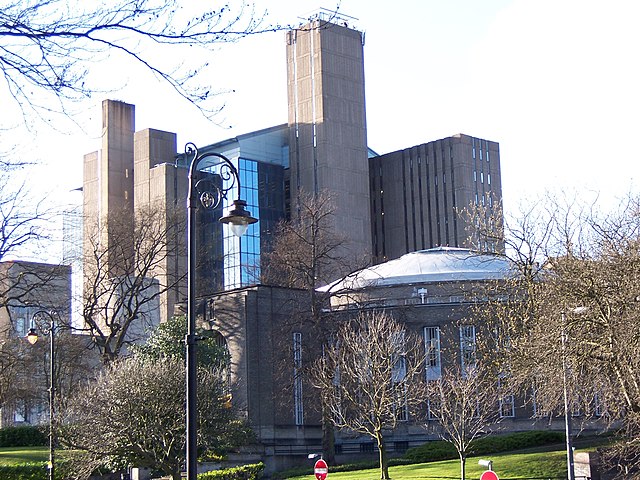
[(24, 472), (441, 450), (24, 436), (244, 472)]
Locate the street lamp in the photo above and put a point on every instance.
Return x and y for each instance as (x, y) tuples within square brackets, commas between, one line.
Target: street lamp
[(32, 338), (567, 413), (208, 195)]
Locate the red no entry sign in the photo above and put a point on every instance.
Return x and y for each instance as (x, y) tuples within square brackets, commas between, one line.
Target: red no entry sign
[(489, 475), (320, 469)]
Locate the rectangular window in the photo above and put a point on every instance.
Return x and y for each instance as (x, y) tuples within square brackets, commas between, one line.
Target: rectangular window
[(367, 447), (467, 346), (398, 377), (20, 327), (433, 369), (507, 406), (297, 378), (432, 409), (598, 407), (401, 446)]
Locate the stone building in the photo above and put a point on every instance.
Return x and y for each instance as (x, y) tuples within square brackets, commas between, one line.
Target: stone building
[(272, 344)]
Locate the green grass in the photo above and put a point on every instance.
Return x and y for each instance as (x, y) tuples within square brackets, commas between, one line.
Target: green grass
[(17, 455), (511, 466)]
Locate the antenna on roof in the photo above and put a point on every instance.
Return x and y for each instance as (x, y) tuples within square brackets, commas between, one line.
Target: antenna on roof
[(326, 15)]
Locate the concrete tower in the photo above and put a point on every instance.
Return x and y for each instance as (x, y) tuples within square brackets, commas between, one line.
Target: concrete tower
[(108, 173), (328, 135)]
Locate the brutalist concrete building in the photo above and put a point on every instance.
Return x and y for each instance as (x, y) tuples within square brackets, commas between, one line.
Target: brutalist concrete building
[(273, 347), (388, 205)]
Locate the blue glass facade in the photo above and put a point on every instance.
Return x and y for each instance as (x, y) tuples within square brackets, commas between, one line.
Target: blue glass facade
[(262, 160)]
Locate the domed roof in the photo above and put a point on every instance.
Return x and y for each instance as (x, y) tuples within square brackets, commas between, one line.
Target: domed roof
[(442, 264)]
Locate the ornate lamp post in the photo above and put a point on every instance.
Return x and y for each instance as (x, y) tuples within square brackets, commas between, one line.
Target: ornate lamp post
[(571, 475), (208, 195), (32, 337)]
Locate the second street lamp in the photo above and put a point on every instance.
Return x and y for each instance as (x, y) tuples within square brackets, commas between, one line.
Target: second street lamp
[(207, 195), (49, 330)]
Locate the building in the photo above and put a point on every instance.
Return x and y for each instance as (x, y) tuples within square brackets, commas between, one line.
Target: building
[(432, 292), (387, 205), (327, 122), (418, 194), (27, 288)]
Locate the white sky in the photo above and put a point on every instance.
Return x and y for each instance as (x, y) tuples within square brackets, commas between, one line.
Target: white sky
[(555, 82)]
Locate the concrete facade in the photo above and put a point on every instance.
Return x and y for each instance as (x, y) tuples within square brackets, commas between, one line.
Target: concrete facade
[(433, 293), (27, 288), (417, 194), (327, 120)]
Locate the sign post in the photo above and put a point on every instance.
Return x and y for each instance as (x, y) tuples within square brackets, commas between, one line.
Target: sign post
[(321, 470)]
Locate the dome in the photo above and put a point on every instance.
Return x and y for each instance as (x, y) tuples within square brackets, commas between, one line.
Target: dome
[(442, 264)]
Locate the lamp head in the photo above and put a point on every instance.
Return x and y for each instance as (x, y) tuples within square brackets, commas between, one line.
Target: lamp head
[(32, 336), (238, 218)]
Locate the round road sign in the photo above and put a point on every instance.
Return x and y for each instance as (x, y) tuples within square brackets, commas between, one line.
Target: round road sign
[(489, 475), (320, 469)]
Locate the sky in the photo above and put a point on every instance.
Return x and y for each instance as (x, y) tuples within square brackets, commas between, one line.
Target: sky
[(555, 82)]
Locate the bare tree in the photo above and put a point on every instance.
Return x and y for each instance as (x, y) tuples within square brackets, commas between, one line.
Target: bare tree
[(371, 377), (124, 258), (307, 253), (133, 415), (48, 46), (463, 401), (569, 316)]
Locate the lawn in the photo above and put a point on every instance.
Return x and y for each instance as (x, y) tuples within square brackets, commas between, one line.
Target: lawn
[(507, 466), (14, 455)]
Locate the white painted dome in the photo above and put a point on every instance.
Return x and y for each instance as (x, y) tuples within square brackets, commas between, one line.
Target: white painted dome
[(442, 264)]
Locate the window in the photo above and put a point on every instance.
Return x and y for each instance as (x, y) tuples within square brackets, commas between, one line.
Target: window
[(598, 406), (400, 447), (433, 369), (398, 377), (432, 409), (297, 378), (467, 346), (507, 406), (20, 323), (366, 447)]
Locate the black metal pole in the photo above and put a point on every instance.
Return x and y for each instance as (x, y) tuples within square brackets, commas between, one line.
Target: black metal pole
[(237, 216), (567, 409), (190, 340), (52, 397)]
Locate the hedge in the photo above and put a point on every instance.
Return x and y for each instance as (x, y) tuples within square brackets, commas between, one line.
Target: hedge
[(24, 436), (30, 471), (441, 450), (244, 472)]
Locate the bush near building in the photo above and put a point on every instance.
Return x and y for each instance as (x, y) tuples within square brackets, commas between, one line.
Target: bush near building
[(244, 472), (441, 450), (23, 436)]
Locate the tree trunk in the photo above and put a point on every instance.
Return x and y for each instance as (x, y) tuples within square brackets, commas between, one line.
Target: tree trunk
[(328, 438), (384, 467), (463, 462)]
